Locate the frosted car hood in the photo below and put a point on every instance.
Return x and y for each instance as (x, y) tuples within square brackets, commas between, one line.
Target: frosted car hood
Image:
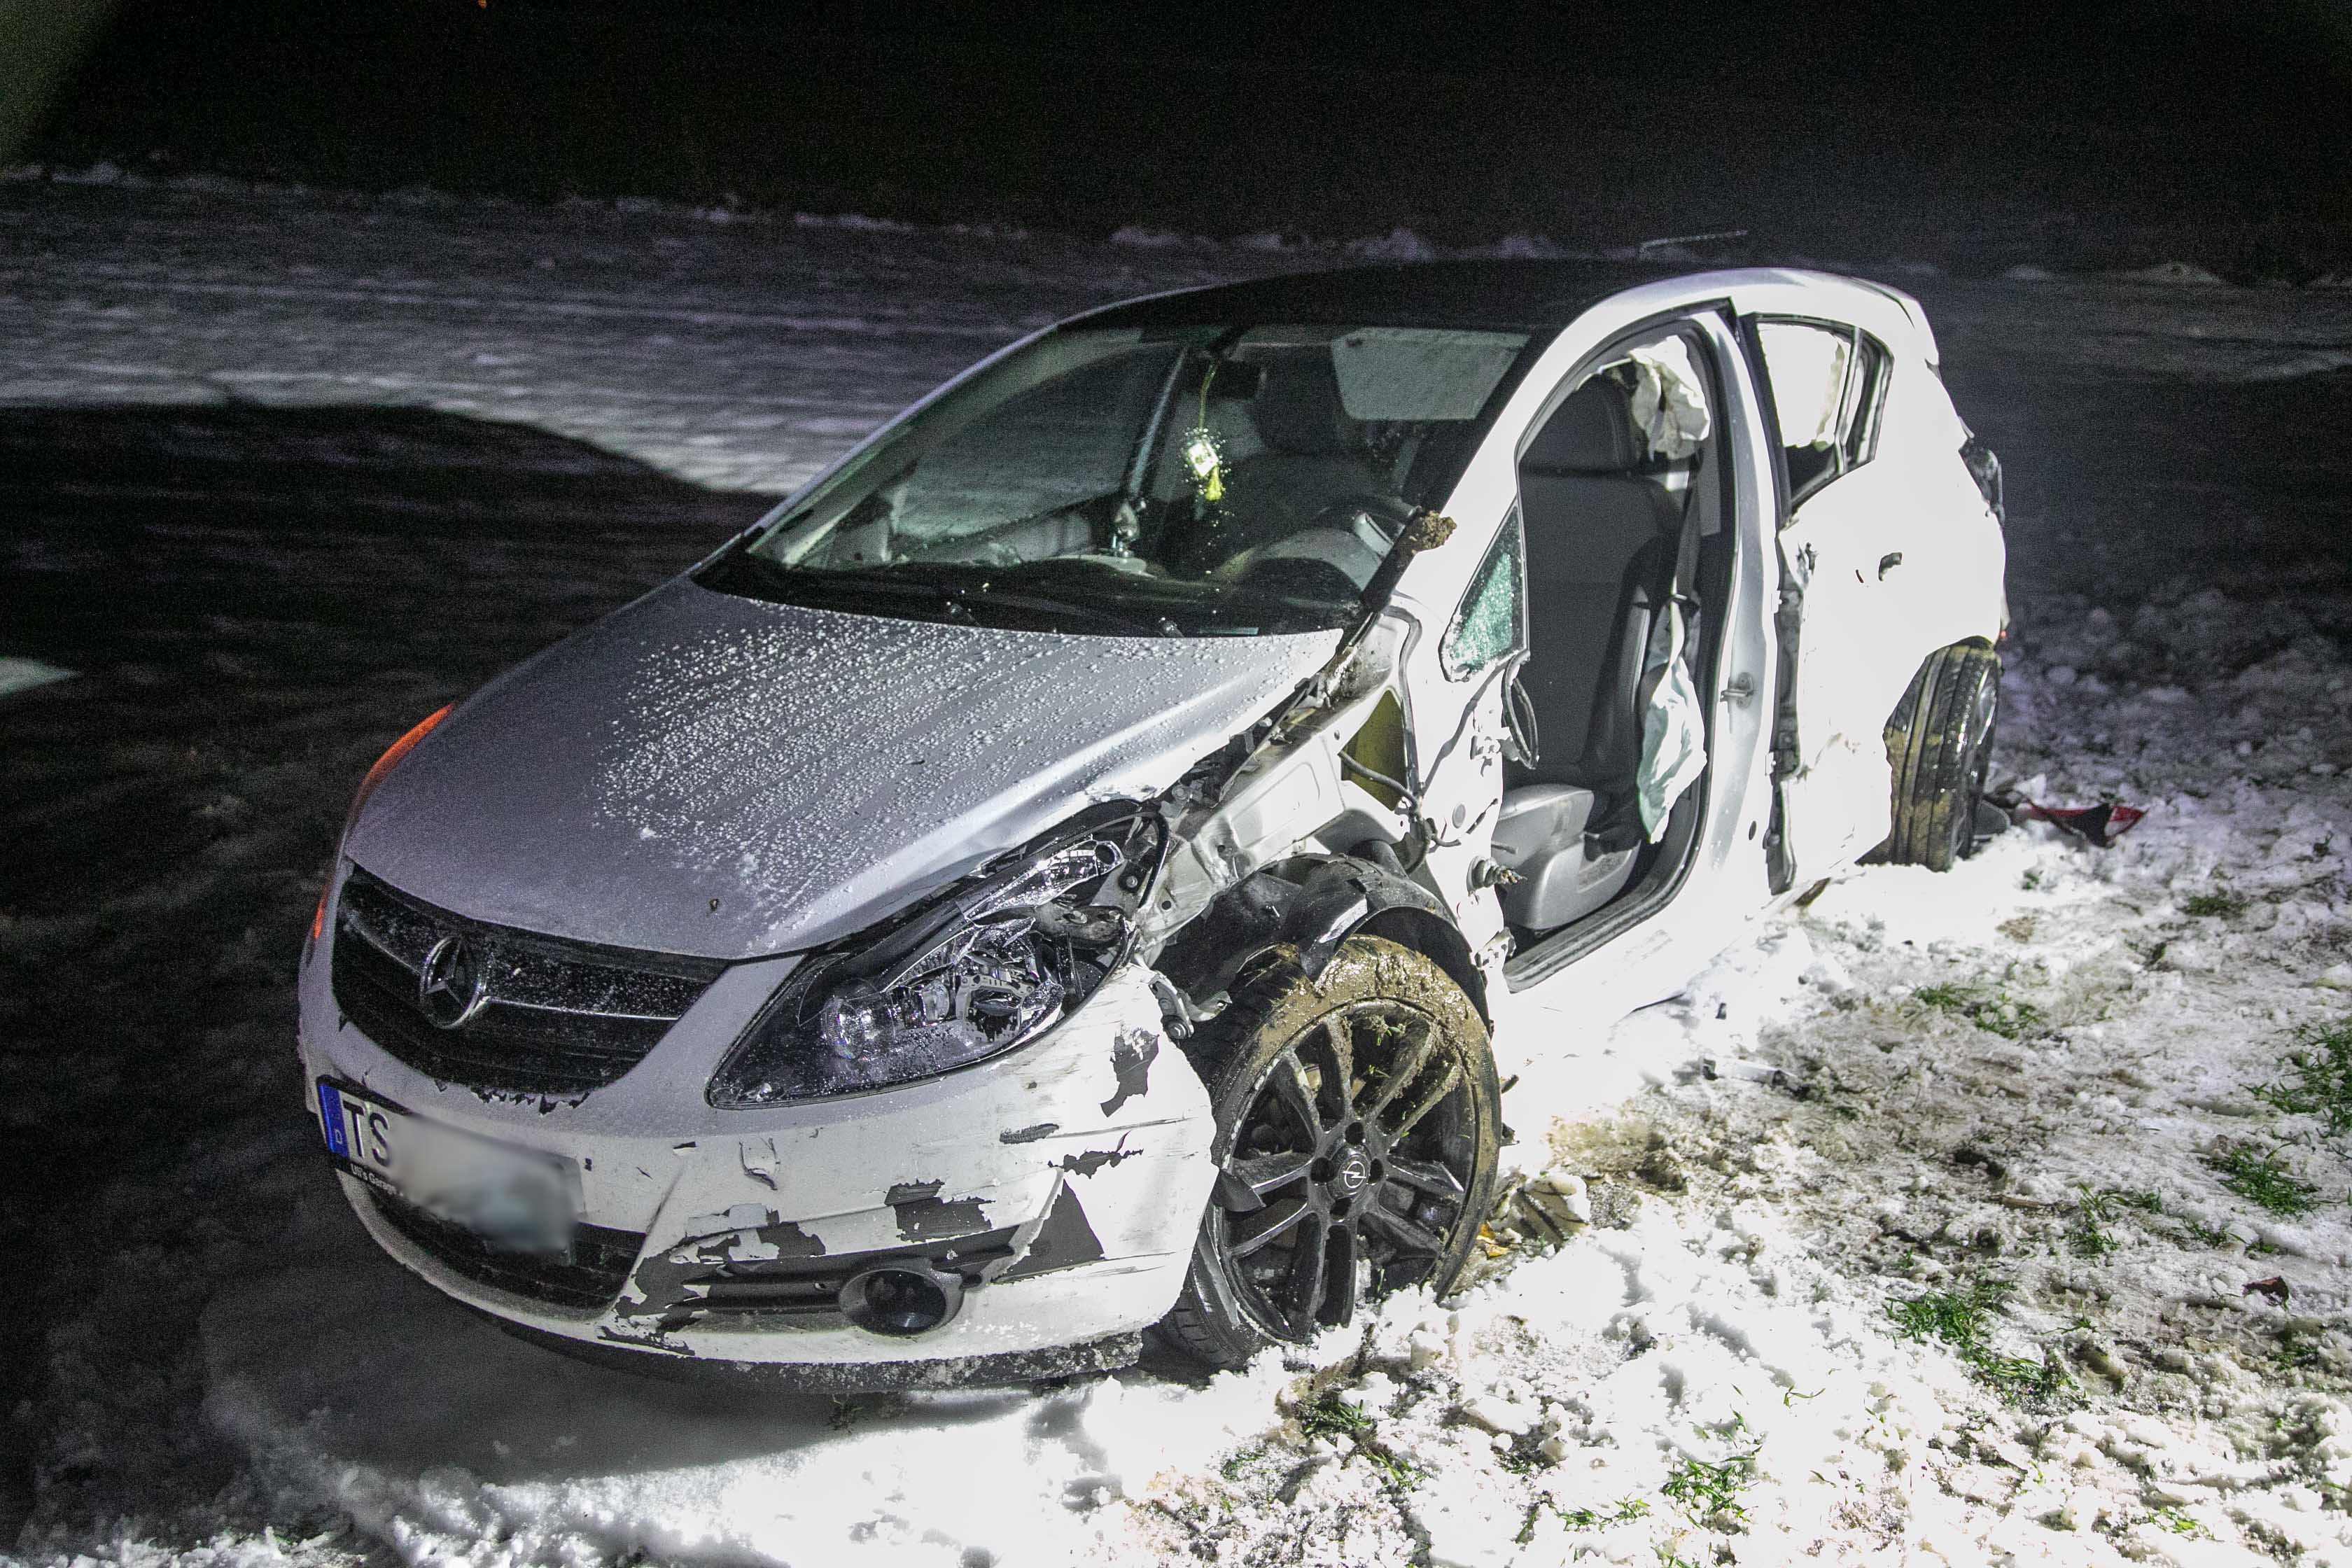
[(708, 775)]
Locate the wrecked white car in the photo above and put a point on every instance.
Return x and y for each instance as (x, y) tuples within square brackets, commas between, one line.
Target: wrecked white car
[(1070, 870)]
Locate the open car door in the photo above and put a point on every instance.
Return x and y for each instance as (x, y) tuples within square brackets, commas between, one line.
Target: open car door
[(1846, 632)]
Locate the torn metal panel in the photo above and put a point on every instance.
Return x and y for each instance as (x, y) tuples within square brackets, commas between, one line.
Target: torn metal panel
[(1294, 788)]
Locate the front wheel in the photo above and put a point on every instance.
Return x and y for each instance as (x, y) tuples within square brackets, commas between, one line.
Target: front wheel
[(1358, 1122), (1939, 743)]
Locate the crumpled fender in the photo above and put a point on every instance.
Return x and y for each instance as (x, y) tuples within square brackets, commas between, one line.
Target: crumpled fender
[(1348, 897), (1306, 906)]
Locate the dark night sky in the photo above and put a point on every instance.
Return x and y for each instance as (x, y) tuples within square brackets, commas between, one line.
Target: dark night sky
[(2103, 128)]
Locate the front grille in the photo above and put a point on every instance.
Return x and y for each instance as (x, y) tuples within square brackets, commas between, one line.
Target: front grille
[(587, 1280), (810, 1287), (559, 1018)]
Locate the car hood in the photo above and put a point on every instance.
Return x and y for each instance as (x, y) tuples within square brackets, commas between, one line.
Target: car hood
[(707, 774)]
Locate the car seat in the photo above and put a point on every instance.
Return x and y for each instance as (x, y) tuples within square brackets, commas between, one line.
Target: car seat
[(1600, 538), (1314, 451)]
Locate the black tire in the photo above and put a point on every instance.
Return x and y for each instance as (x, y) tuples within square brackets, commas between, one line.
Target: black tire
[(1335, 1186), (1940, 745)]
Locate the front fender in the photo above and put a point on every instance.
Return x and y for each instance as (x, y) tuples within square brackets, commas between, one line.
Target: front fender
[(1303, 908)]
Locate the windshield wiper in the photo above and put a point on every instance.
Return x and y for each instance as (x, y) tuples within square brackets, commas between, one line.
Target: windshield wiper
[(902, 590), (872, 587), (1049, 604)]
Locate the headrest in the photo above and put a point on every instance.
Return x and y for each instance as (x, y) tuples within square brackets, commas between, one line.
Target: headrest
[(1297, 407), (1591, 433)]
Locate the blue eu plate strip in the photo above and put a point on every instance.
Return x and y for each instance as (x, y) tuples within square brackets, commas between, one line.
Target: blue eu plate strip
[(330, 1117)]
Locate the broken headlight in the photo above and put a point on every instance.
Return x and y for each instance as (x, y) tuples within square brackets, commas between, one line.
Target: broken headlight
[(993, 965)]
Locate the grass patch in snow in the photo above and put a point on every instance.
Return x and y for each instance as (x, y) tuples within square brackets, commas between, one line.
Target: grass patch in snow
[(1963, 1319), (1624, 1510), (1332, 1416), (2088, 1235), (2265, 1181), (1705, 1491), (2214, 906), (2319, 1080), (2165, 1517), (2204, 1235), (1400, 1473), (1995, 1012)]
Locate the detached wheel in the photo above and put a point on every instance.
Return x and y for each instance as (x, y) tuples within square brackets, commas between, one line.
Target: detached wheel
[(1940, 745), (1357, 1132)]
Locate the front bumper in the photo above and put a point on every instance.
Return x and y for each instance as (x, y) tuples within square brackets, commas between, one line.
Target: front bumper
[(1062, 1183)]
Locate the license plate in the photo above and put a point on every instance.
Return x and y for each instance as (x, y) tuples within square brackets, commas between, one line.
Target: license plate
[(516, 1200)]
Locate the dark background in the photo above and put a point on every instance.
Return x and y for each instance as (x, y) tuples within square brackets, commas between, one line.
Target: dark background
[(2110, 132)]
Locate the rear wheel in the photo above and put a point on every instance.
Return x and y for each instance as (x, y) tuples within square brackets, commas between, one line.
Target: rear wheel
[(1940, 745), (1357, 1131)]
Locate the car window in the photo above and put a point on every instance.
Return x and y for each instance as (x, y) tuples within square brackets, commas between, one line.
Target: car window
[(1057, 444), (1828, 383), (1492, 621), (1213, 480)]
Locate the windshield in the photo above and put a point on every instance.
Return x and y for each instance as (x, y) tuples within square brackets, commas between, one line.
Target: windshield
[(1197, 481)]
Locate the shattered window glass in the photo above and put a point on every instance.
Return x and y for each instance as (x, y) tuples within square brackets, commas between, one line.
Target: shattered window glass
[(1488, 626)]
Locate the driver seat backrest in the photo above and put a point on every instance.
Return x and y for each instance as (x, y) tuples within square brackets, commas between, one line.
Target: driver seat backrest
[(1601, 545), (1312, 455), (1297, 408)]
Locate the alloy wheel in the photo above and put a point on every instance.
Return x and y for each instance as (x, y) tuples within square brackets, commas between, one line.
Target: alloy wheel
[(1348, 1173)]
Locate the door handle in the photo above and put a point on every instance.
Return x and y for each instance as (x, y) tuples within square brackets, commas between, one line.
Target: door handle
[(1888, 562), (1738, 688)]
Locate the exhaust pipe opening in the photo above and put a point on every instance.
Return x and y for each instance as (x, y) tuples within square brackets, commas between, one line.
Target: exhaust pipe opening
[(899, 1301)]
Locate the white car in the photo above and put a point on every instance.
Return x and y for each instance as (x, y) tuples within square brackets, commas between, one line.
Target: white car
[(1062, 873)]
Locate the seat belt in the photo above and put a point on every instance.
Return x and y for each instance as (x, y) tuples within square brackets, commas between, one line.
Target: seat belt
[(1686, 588)]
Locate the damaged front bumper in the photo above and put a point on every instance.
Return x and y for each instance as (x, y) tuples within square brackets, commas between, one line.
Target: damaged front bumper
[(1047, 1199)]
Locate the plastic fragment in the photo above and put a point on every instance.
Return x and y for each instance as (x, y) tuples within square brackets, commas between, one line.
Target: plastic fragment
[(2098, 826)]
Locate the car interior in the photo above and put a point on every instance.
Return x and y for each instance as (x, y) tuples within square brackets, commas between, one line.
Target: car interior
[(1618, 502)]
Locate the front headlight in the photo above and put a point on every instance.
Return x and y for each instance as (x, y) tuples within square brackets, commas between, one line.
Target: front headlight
[(997, 961)]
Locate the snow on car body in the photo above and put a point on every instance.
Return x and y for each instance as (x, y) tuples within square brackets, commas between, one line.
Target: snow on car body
[(1058, 873)]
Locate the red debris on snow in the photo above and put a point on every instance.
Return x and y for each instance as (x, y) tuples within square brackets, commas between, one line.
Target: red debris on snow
[(2098, 824)]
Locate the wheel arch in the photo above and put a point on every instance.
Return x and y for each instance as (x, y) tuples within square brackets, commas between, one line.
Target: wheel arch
[(1302, 908)]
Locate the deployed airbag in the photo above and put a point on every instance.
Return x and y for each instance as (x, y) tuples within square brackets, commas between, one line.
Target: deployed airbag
[(1673, 724), (1669, 400)]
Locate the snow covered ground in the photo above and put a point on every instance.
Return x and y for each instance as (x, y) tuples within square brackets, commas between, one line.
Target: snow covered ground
[(1985, 1272)]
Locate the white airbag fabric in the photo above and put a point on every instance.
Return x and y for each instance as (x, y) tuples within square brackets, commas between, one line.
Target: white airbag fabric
[(1668, 403), (1674, 728)]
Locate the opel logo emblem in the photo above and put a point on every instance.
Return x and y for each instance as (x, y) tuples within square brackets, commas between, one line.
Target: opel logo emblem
[(1354, 1172), (451, 986)]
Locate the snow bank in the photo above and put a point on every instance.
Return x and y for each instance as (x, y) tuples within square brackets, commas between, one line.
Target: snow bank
[(23, 674)]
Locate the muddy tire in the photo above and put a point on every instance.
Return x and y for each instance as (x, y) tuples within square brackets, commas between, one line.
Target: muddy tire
[(1358, 1122), (1939, 743)]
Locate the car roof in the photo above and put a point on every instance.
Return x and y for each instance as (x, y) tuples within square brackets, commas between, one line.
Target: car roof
[(1509, 295)]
